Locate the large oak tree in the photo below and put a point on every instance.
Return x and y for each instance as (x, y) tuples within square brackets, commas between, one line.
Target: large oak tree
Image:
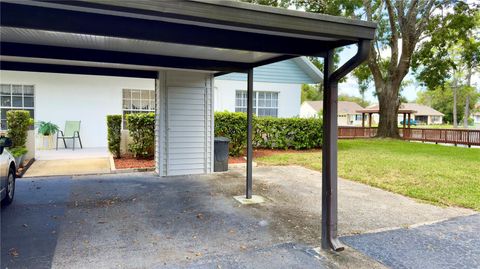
[(402, 24)]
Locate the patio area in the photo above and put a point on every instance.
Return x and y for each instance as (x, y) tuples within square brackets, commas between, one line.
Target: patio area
[(69, 154), (139, 220), (68, 162)]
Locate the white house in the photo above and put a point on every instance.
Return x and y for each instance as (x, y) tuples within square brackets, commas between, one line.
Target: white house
[(347, 112), (89, 99), (119, 57), (277, 88)]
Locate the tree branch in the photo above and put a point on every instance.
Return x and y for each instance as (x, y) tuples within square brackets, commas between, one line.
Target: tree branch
[(393, 38)]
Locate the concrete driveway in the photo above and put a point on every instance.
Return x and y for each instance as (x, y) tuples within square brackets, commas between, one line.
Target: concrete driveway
[(142, 221)]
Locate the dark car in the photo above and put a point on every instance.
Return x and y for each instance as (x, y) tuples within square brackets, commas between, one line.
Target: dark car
[(7, 172)]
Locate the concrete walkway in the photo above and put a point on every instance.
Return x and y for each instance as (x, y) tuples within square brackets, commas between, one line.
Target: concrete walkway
[(142, 221)]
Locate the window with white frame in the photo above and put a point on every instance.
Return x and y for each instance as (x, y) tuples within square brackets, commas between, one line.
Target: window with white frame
[(265, 104), (16, 97), (137, 101)]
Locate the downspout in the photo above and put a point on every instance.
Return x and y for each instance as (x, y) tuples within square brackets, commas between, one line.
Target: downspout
[(329, 150)]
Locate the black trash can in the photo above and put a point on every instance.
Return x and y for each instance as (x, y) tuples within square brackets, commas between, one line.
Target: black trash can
[(221, 154)]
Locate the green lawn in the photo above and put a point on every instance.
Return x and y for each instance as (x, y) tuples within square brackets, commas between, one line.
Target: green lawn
[(438, 174)]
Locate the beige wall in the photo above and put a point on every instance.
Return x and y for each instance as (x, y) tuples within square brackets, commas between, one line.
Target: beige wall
[(30, 143)]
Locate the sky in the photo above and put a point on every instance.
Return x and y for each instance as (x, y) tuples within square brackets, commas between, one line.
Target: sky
[(350, 87)]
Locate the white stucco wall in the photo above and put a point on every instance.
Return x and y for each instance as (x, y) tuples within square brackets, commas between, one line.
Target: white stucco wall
[(61, 97), (306, 111), (289, 95)]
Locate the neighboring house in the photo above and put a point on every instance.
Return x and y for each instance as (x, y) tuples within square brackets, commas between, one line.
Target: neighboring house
[(277, 88), (347, 112), (423, 114)]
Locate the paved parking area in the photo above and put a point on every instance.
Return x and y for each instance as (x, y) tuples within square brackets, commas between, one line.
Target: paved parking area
[(142, 221), (452, 244)]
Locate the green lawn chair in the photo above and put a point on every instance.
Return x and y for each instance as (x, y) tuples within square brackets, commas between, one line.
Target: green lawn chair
[(71, 131)]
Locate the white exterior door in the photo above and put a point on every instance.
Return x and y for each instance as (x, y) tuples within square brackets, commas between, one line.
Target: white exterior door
[(185, 123)]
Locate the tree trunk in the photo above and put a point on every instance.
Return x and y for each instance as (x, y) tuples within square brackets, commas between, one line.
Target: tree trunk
[(467, 101), (389, 104), (467, 112), (455, 123)]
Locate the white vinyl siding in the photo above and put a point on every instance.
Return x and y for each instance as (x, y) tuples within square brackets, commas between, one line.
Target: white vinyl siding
[(187, 117)]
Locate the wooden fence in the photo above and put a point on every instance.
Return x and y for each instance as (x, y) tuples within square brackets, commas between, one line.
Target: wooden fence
[(447, 136)]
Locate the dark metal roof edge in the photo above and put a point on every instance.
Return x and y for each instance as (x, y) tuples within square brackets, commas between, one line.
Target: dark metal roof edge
[(288, 12), (206, 11)]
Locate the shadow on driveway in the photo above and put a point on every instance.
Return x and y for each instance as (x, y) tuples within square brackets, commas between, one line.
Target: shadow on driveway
[(30, 225)]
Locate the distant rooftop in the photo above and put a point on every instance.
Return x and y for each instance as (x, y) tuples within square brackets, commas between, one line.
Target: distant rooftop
[(417, 109), (344, 107)]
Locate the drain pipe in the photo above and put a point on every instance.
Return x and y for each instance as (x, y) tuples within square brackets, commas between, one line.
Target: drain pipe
[(330, 137)]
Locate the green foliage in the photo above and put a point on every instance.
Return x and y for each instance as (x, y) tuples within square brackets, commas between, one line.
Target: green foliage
[(114, 134), (285, 133), (441, 99), (453, 46), (312, 92), (358, 100), (274, 133), (18, 123), (142, 132), (47, 128), (18, 151), (234, 126)]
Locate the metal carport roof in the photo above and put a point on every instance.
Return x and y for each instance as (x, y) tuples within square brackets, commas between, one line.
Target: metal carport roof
[(137, 38), (218, 36)]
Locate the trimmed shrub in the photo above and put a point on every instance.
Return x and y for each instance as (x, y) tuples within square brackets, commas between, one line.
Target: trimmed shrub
[(285, 133), (114, 132), (18, 123), (234, 126), (142, 131), (273, 133)]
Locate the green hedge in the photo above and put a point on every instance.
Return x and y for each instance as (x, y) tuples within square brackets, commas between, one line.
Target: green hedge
[(142, 131), (233, 126), (114, 131), (273, 133), (18, 123), (285, 133)]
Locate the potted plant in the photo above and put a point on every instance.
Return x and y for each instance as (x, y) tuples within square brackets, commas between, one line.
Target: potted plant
[(18, 123), (47, 130)]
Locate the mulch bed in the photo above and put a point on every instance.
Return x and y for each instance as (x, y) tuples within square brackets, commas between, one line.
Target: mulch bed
[(26, 164), (257, 153), (128, 162)]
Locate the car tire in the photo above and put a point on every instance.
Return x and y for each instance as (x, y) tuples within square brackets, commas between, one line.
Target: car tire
[(10, 189)]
